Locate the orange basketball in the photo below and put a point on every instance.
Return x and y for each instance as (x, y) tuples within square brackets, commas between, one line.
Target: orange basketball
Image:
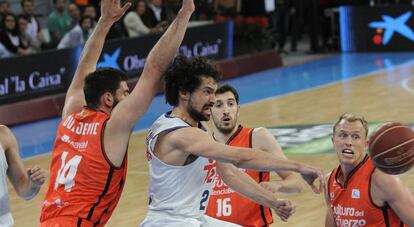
[(391, 148)]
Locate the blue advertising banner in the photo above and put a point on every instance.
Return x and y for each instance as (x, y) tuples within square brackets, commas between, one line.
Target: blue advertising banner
[(379, 29), (46, 73)]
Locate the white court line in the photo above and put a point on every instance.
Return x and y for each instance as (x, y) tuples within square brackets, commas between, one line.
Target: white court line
[(406, 86)]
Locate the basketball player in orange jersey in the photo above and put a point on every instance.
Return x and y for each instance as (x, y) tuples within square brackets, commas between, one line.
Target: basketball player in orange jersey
[(357, 193), (89, 160), (181, 155), (25, 182), (224, 203)]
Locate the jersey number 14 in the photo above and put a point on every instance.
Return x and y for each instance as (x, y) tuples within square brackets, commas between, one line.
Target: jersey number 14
[(67, 171)]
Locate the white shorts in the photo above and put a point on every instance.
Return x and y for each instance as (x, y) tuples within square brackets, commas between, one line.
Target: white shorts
[(156, 219)]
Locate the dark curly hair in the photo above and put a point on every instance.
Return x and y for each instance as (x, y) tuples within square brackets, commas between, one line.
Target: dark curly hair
[(100, 81), (184, 74), (228, 88)]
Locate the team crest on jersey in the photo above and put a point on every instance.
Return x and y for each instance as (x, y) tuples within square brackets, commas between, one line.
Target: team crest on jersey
[(356, 194), (83, 114), (210, 169)]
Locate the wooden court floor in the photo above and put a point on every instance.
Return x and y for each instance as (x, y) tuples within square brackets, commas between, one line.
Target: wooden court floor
[(379, 97)]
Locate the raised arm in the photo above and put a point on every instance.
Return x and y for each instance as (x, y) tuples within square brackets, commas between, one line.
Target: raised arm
[(246, 186), (398, 196), (26, 182), (194, 141), (126, 113), (111, 11), (263, 140)]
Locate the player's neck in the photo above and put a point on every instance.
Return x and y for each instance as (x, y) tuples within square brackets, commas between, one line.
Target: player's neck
[(223, 137), (104, 109), (347, 169), (184, 115)]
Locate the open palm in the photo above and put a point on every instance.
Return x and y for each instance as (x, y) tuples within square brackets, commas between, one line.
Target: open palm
[(112, 10)]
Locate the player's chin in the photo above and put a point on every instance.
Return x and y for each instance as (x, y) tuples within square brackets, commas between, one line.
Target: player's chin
[(206, 116)]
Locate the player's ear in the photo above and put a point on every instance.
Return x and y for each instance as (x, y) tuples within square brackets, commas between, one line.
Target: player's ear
[(107, 99), (184, 95)]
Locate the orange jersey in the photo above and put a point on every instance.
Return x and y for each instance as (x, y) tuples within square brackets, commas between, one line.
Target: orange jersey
[(227, 205), (351, 202), (84, 186)]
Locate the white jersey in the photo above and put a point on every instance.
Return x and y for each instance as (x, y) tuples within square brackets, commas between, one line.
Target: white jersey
[(175, 191), (6, 218)]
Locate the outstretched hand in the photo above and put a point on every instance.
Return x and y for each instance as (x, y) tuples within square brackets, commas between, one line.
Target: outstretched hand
[(36, 175), (111, 10), (310, 175)]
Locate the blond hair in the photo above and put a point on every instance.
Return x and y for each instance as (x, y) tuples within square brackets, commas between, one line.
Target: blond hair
[(351, 118)]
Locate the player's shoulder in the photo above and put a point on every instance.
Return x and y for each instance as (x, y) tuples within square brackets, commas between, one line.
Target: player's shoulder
[(383, 180), (5, 133), (4, 129), (261, 131)]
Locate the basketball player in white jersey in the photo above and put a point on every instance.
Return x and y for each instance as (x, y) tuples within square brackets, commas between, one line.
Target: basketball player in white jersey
[(26, 182), (182, 155)]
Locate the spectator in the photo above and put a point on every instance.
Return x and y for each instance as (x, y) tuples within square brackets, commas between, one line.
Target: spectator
[(155, 14), (33, 29), (4, 8), (133, 22), (9, 37), (74, 13), (204, 10), (58, 22), (27, 40), (90, 11), (227, 7), (77, 35)]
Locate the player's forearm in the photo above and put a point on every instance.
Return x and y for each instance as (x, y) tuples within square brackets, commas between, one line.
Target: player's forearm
[(242, 183), (291, 184), (263, 161), (167, 46), (27, 189)]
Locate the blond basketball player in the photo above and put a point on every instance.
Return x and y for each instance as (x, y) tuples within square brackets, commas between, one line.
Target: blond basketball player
[(89, 159), (224, 203), (182, 155), (26, 182), (357, 193)]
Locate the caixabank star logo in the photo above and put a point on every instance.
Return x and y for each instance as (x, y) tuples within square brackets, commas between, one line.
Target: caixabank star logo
[(389, 26)]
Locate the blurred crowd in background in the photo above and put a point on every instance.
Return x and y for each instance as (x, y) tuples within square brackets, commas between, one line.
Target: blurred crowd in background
[(31, 26)]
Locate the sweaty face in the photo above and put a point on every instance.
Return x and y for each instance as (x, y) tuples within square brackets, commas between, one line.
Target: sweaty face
[(350, 142), (121, 93), (225, 112), (202, 99)]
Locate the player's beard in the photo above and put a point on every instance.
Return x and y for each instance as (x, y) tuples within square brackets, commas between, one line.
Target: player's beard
[(116, 101), (195, 114), (222, 128)]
